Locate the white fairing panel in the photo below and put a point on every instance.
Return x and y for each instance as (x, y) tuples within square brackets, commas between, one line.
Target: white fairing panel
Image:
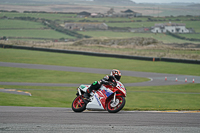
[(84, 87), (95, 104)]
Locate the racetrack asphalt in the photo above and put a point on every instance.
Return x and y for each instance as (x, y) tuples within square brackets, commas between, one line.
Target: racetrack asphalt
[(64, 120)]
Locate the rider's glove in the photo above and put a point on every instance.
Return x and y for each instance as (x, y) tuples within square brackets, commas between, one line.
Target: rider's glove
[(104, 82), (113, 84)]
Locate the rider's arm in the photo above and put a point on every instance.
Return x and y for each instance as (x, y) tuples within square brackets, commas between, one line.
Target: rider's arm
[(105, 80), (108, 80)]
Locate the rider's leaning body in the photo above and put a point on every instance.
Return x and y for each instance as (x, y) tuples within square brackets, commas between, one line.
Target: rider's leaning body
[(111, 79)]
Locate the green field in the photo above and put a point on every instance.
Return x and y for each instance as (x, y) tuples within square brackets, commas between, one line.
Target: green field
[(192, 24), (12, 24), (177, 97), (174, 97), (46, 34), (21, 28), (196, 36), (132, 24)]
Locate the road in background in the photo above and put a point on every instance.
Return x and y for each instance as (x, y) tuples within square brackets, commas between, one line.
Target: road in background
[(157, 79)]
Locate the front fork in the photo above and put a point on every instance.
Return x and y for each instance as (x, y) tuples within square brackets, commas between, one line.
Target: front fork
[(114, 98), (115, 101), (79, 92)]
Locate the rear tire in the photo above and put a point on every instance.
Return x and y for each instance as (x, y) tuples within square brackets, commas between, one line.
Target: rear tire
[(78, 105), (112, 108)]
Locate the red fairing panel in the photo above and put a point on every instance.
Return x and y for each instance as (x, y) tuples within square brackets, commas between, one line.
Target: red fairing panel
[(103, 94), (121, 88)]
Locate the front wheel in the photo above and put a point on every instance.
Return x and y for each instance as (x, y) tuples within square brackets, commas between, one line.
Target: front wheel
[(114, 107), (78, 104)]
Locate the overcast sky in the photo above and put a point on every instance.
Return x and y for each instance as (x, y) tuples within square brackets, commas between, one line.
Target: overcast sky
[(165, 1)]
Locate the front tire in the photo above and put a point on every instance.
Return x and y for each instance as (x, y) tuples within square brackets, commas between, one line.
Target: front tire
[(78, 105), (117, 106)]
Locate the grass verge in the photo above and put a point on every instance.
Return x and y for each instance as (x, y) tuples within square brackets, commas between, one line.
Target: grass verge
[(178, 97)]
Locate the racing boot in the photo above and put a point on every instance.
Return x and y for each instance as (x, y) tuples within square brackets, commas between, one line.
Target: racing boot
[(87, 95), (93, 86)]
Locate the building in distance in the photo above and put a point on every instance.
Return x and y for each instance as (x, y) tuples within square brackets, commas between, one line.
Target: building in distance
[(170, 27)]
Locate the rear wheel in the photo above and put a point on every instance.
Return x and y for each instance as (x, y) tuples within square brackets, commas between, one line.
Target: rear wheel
[(114, 107), (78, 104)]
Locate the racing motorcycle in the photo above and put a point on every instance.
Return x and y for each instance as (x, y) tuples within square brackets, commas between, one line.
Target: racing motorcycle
[(107, 98)]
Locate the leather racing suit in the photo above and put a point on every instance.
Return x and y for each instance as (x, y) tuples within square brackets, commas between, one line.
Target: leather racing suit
[(107, 80)]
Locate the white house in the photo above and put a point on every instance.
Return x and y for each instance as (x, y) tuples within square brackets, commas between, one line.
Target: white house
[(170, 27)]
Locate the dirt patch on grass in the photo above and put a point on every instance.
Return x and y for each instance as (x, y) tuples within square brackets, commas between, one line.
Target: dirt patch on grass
[(184, 45), (136, 41)]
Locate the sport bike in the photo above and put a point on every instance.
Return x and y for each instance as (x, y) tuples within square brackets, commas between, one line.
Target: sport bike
[(107, 98)]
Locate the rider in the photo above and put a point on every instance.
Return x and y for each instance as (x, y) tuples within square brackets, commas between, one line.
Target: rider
[(115, 75)]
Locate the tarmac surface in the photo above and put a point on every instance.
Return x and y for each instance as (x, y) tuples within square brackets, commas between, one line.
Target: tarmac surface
[(62, 120)]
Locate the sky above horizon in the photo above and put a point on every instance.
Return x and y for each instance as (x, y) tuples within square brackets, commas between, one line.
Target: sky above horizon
[(166, 1)]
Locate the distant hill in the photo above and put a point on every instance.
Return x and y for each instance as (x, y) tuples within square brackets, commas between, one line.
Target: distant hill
[(36, 2), (116, 1), (39, 2), (194, 5)]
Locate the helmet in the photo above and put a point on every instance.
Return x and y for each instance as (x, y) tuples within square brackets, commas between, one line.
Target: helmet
[(116, 73)]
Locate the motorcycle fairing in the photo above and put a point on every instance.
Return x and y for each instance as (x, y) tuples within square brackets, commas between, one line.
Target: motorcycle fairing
[(95, 104), (121, 87), (104, 93), (99, 99), (84, 87)]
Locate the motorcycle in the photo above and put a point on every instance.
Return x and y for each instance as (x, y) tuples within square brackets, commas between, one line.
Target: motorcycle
[(107, 98)]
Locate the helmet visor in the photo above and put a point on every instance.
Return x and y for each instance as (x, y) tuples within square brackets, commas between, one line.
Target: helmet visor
[(117, 77)]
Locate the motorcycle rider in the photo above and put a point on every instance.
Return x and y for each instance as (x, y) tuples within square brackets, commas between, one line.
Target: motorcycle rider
[(115, 75)]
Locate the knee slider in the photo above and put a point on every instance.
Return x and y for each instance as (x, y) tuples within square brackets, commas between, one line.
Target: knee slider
[(95, 82)]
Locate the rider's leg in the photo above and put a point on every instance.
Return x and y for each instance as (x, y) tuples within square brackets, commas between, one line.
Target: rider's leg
[(94, 86)]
